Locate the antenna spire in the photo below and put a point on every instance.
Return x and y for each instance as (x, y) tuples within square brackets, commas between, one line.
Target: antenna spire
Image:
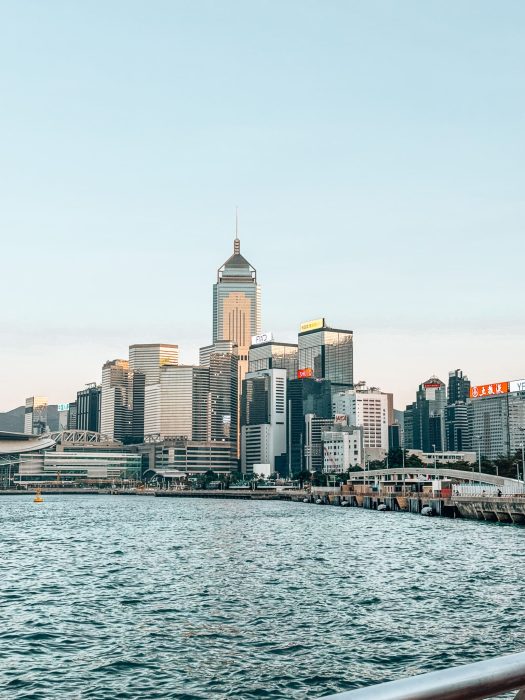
[(236, 242)]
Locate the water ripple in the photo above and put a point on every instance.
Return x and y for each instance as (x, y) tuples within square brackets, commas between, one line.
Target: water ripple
[(106, 597)]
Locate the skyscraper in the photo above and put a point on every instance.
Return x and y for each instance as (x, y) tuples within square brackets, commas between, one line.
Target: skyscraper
[(237, 305), (178, 406), (425, 419), (35, 416), (88, 408), (273, 355), (263, 419), (150, 357), (327, 353), (122, 402)]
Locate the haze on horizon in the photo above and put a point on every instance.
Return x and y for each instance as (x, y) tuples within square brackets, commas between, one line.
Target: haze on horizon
[(375, 150)]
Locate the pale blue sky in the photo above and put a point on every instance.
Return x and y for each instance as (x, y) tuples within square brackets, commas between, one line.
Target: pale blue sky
[(375, 150)]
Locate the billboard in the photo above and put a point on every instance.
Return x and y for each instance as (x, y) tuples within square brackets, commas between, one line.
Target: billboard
[(63, 407), (305, 373), (477, 392), (341, 419), (262, 338), (311, 325), (517, 385), (432, 385)]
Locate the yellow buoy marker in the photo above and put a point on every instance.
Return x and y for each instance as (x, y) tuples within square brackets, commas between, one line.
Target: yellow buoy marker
[(38, 497)]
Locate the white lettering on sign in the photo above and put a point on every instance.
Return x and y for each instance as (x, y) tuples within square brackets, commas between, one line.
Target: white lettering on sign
[(263, 338), (517, 385)]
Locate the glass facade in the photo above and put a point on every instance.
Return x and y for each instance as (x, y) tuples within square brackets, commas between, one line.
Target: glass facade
[(329, 354), (274, 356), (88, 409)]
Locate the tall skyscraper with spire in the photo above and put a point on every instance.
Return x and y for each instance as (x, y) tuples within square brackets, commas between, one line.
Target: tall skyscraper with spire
[(237, 304), (237, 307)]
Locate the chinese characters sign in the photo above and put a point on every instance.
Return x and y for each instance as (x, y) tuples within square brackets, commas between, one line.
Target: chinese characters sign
[(477, 392)]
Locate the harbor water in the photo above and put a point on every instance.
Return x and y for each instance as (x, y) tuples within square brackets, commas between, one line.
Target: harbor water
[(110, 597)]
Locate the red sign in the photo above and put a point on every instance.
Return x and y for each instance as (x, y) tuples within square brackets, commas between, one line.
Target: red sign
[(432, 385), (305, 373), (477, 392)]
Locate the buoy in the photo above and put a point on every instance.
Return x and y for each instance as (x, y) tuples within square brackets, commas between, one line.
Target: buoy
[(427, 510), (38, 497)]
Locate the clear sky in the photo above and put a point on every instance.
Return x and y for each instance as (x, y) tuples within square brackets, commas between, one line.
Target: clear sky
[(375, 150)]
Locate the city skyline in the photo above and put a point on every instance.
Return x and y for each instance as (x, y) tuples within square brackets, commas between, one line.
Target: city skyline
[(373, 186), (190, 355)]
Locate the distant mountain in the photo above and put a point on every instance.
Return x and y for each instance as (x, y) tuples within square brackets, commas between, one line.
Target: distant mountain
[(13, 421)]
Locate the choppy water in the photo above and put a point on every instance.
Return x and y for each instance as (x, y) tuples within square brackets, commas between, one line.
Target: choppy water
[(123, 597)]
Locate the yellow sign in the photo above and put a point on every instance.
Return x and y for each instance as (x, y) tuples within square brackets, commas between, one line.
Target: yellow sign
[(311, 325)]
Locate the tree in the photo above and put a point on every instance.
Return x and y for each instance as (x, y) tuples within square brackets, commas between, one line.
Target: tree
[(413, 462)]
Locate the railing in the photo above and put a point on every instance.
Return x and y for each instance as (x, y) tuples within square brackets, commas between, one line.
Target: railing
[(477, 681)]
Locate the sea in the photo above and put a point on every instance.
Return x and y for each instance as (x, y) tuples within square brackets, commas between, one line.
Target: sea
[(128, 597)]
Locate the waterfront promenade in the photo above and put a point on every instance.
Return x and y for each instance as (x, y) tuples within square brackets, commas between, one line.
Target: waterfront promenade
[(509, 508)]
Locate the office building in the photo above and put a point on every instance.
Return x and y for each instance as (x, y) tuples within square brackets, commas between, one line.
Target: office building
[(67, 416), (222, 361), (179, 405), (425, 418), (456, 414), (342, 448), (326, 353), (122, 402), (176, 458), (458, 387), (263, 421), (457, 430), (148, 358), (313, 441), (237, 305), (305, 396), (272, 355), (367, 409), (496, 416), (35, 415), (88, 405)]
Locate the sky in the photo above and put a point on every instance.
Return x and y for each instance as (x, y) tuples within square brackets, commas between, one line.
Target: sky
[(375, 151)]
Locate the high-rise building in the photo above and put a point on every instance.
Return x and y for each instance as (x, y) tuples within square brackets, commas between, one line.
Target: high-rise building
[(342, 448), (88, 408), (222, 360), (237, 304), (425, 418), (305, 396), (496, 415), (327, 353), (263, 420), (35, 416), (178, 406), (458, 387), (273, 355), (148, 358), (456, 414), (122, 402), (367, 409), (313, 442)]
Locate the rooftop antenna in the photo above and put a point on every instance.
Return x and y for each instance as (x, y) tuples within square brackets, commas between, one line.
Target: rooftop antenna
[(236, 243)]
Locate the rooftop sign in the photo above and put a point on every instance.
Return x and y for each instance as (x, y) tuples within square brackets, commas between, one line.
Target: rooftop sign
[(478, 392), (63, 407), (305, 373), (262, 338), (517, 385), (311, 325)]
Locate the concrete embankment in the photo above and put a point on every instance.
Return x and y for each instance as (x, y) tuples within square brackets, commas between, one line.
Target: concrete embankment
[(504, 509)]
